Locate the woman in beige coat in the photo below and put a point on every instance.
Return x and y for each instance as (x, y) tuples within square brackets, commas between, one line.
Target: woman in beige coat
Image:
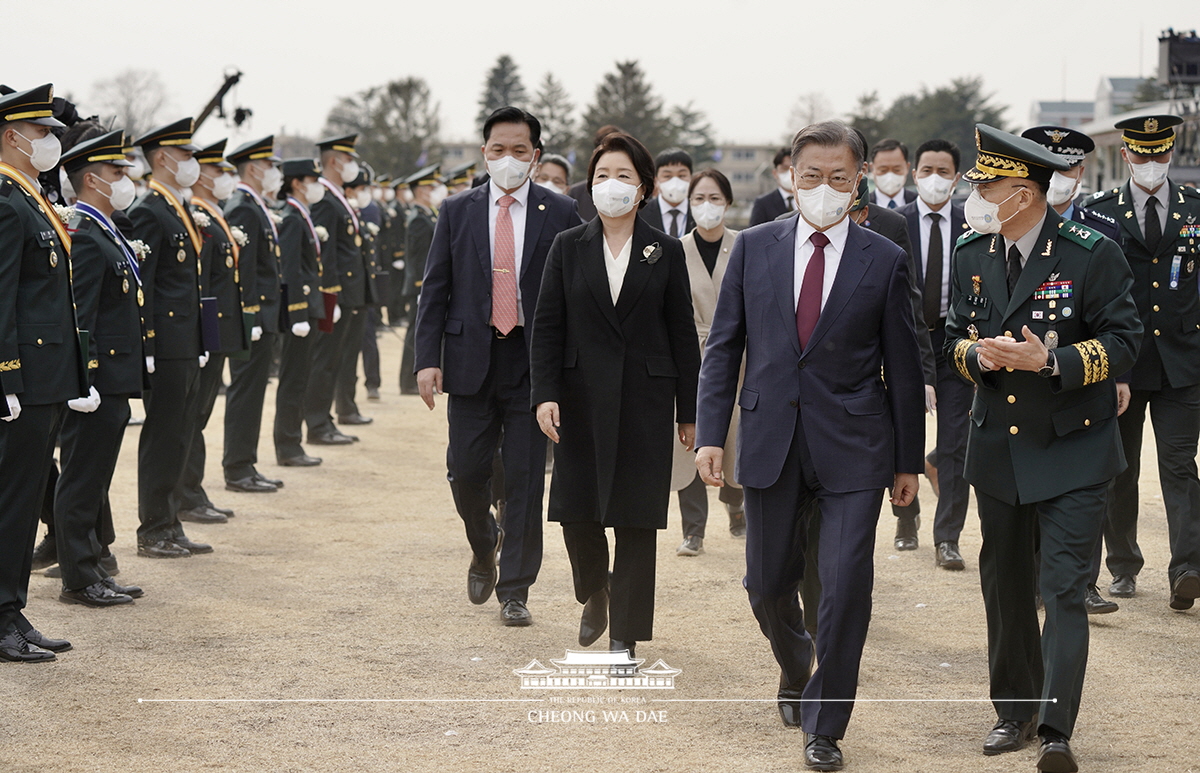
[(707, 250)]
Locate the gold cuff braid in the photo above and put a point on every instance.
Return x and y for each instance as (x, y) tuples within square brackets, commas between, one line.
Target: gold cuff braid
[(10, 365), (1095, 361), (960, 358)]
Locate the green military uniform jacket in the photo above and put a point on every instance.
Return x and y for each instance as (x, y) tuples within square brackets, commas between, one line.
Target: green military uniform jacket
[(1033, 438), (418, 237), (299, 259), (345, 270), (1170, 311), (392, 239), (258, 259), (220, 278)]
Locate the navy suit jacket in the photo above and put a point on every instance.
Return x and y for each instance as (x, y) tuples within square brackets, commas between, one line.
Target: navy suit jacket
[(860, 431), (958, 227), (909, 197), (454, 314)]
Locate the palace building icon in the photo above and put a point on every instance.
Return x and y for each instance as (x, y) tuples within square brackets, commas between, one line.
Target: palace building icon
[(597, 670)]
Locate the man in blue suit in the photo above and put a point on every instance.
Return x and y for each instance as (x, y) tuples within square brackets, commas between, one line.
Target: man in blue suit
[(820, 307), (479, 293)]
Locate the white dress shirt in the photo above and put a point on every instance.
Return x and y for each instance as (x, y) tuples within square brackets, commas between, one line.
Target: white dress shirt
[(947, 247), (1140, 197), (516, 212), (665, 207), (616, 266), (833, 256), (882, 199), (789, 199)]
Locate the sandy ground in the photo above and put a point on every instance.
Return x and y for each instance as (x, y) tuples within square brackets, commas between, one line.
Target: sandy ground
[(344, 595)]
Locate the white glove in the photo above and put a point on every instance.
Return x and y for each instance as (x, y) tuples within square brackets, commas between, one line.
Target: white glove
[(337, 314), (301, 329), (398, 264), (85, 404), (150, 363), (204, 359), (14, 407), (255, 333)]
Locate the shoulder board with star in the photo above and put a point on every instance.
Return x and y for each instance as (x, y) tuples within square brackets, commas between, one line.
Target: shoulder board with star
[(1080, 234), (969, 237)]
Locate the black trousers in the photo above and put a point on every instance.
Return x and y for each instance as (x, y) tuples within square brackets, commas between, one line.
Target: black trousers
[(163, 446), (190, 492), (26, 454), (476, 422), (693, 505), (295, 364), (954, 398), (1025, 663), (244, 408), (777, 526), (370, 348), (347, 367), (326, 356), (91, 443), (631, 584), (408, 379), (1175, 414)]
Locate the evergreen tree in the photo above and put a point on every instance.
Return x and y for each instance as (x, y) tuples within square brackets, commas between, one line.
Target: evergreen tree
[(397, 123), (693, 133), (502, 87), (553, 108), (624, 98)]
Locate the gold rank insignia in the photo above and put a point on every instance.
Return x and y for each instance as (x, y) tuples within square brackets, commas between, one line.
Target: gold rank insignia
[(976, 282), (1176, 215), (973, 332), (1151, 125), (228, 261), (181, 256), (1049, 247), (1129, 214)]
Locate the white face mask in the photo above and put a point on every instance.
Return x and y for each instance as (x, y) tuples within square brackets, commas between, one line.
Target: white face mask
[(223, 186), (708, 215), (389, 195), (934, 189), (984, 216), (46, 151), (121, 193), (785, 180), (313, 192), (548, 185), (508, 171), (187, 172), (1062, 189), (350, 170), (438, 195), (138, 170), (64, 185), (1149, 175), (673, 191), (614, 198), (890, 183), (272, 181), (823, 206), (362, 199)]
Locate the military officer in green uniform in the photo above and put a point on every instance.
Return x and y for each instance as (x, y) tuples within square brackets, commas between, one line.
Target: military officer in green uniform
[(41, 362), (1041, 320), (1160, 235), (418, 235), (461, 177)]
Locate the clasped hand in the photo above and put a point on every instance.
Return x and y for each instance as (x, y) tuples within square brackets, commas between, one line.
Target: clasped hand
[(1005, 352)]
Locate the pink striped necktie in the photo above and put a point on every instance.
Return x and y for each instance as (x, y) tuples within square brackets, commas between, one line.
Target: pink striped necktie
[(504, 271)]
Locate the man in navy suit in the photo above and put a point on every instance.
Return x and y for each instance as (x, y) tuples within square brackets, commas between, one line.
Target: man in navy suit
[(481, 286), (778, 201), (889, 170), (820, 307), (934, 225)]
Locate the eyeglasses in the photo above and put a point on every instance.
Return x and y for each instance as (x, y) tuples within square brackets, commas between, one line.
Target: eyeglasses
[(839, 181)]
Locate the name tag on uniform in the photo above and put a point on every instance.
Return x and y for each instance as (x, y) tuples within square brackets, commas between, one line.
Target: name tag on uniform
[(1051, 290), (978, 300)]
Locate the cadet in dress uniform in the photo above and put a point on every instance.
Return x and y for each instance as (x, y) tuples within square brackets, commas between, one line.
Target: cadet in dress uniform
[(1041, 320), (393, 251), (461, 177), (418, 235), (1160, 234), (360, 194), (41, 363), (299, 258), (222, 325), (108, 297), (174, 347), (262, 296)]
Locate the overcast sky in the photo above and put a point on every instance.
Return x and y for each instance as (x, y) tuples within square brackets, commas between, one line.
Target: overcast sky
[(744, 63)]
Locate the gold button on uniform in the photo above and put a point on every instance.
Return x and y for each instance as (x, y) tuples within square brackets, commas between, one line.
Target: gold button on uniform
[(1154, 261), (1156, 307), (972, 315), (1157, 332), (1013, 430), (1087, 422), (1154, 284), (170, 313), (112, 351), (1008, 333), (1012, 399), (39, 342)]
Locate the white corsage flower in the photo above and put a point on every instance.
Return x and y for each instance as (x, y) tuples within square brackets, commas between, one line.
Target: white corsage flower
[(322, 233), (140, 249), (65, 214), (276, 218), (374, 229), (201, 218), (239, 236)]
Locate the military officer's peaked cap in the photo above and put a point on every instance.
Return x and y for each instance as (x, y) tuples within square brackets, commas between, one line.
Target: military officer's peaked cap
[(1149, 135), (461, 173), (1070, 144), (214, 155), (255, 150), (383, 180), (172, 135), (31, 106), (105, 149), (1000, 155), (427, 176), (301, 167), (343, 144)]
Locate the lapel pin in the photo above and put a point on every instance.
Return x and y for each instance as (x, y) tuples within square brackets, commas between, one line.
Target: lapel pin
[(651, 254), (541, 207)]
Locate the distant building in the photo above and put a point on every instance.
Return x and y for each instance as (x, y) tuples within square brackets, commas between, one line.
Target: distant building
[(597, 669), (1115, 95), (455, 153), (1069, 114)]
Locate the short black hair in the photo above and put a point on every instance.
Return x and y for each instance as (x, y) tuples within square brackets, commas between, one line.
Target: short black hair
[(643, 164), (721, 180), (557, 160), (889, 144), (781, 154), (672, 156), (510, 114), (940, 146)]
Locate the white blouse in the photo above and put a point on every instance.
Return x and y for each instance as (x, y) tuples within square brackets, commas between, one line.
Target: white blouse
[(616, 266)]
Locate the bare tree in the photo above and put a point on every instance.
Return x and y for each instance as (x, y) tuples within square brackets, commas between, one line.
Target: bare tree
[(133, 97), (808, 109)]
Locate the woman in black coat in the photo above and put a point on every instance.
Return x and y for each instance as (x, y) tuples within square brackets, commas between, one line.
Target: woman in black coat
[(614, 363)]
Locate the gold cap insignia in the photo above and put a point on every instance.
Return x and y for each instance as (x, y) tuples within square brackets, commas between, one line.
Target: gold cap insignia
[(1056, 135), (1151, 125)]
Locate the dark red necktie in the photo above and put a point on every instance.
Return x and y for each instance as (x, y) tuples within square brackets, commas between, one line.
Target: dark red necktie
[(808, 310)]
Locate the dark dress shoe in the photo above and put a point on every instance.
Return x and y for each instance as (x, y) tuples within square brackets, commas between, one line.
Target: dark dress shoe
[(38, 639), (95, 595), (108, 562), (250, 485), (594, 620), (616, 645), (161, 549), (303, 460), (789, 701), (373, 394), (737, 524), (330, 439), (821, 752), (14, 647), (355, 419), (948, 556), (1185, 589), (483, 574), (132, 591), (1124, 586), (191, 547), (45, 554), (515, 613), (1095, 604), (1055, 755), (225, 511), (201, 515), (1008, 735), (789, 712), (264, 479), (906, 532)]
